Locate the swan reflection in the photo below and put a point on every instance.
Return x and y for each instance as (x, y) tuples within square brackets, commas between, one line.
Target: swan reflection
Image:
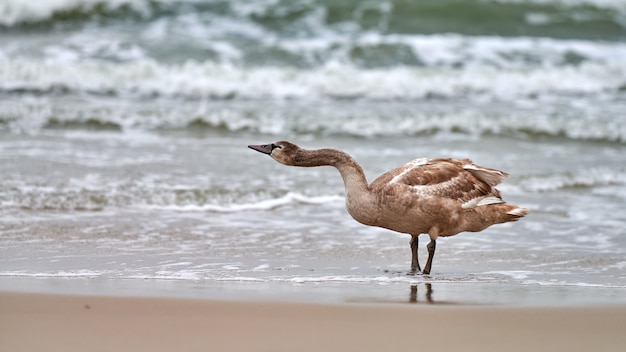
[(419, 293), (428, 296)]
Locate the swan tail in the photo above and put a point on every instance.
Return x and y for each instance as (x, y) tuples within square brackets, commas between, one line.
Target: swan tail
[(516, 213)]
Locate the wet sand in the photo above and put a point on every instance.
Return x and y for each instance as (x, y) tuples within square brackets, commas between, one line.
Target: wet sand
[(49, 322)]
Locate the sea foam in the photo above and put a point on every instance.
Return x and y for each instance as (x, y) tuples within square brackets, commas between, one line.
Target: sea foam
[(268, 204), (581, 179), (148, 78)]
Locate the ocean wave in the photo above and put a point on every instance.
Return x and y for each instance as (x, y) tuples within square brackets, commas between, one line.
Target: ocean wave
[(394, 15), (147, 78), (267, 204), (376, 50), (247, 44), (582, 121), (471, 123), (94, 194), (594, 177), (216, 200)]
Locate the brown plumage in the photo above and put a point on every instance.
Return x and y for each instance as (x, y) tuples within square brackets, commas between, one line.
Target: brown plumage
[(438, 197)]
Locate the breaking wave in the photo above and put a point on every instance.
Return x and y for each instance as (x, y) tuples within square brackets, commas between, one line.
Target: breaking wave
[(582, 179), (174, 198), (394, 14), (149, 79), (93, 194), (580, 121)]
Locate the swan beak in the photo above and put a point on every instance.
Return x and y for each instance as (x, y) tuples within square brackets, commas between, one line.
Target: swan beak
[(265, 149)]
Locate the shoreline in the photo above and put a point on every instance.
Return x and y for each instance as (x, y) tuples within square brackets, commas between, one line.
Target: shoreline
[(420, 291), (70, 322)]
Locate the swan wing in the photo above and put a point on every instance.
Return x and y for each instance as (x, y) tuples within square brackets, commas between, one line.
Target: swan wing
[(459, 180)]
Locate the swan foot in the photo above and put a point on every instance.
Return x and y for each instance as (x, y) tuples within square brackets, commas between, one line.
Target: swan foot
[(414, 272)]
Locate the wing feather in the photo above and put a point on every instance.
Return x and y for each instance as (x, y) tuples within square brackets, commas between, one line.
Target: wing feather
[(455, 179)]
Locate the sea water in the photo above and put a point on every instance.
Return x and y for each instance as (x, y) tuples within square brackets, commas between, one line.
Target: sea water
[(124, 126)]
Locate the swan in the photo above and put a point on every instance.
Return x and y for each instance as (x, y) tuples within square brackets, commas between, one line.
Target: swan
[(438, 197)]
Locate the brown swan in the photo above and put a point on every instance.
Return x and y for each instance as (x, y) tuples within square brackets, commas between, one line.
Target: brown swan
[(438, 197)]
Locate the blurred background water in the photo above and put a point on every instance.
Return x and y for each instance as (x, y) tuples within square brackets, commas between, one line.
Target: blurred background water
[(124, 125)]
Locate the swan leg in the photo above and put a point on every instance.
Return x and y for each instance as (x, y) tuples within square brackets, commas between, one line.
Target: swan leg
[(431, 254), (415, 265)]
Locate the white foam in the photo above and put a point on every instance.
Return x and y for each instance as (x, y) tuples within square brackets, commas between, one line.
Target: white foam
[(491, 66), (587, 117), (514, 274), (94, 191), (262, 267), (267, 204), (168, 265), (583, 178), (233, 273), (454, 50), (58, 274)]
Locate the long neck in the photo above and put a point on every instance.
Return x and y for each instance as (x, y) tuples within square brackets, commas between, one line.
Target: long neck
[(351, 172), (359, 200)]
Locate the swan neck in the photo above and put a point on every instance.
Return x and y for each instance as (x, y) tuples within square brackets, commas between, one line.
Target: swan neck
[(350, 170), (360, 202)]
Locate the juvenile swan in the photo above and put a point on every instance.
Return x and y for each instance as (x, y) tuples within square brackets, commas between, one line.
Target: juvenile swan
[(438, 197)]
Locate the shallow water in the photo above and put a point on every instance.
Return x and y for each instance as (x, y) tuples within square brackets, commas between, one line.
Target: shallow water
[(123, 139)]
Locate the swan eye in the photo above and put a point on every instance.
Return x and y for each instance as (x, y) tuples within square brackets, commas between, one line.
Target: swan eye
[(274, 146)]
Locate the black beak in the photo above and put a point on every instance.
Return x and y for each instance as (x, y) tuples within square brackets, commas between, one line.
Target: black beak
[(265, 148)]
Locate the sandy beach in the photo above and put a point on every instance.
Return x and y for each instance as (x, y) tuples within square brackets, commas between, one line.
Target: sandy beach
[(47, 322)]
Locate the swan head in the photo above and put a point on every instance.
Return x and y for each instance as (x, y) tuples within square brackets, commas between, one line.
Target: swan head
[(283, 152)]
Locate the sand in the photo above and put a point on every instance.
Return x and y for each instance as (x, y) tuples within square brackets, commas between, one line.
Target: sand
[(49, 322)]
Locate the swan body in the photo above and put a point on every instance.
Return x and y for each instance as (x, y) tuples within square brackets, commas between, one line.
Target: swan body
[(438, 197)]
